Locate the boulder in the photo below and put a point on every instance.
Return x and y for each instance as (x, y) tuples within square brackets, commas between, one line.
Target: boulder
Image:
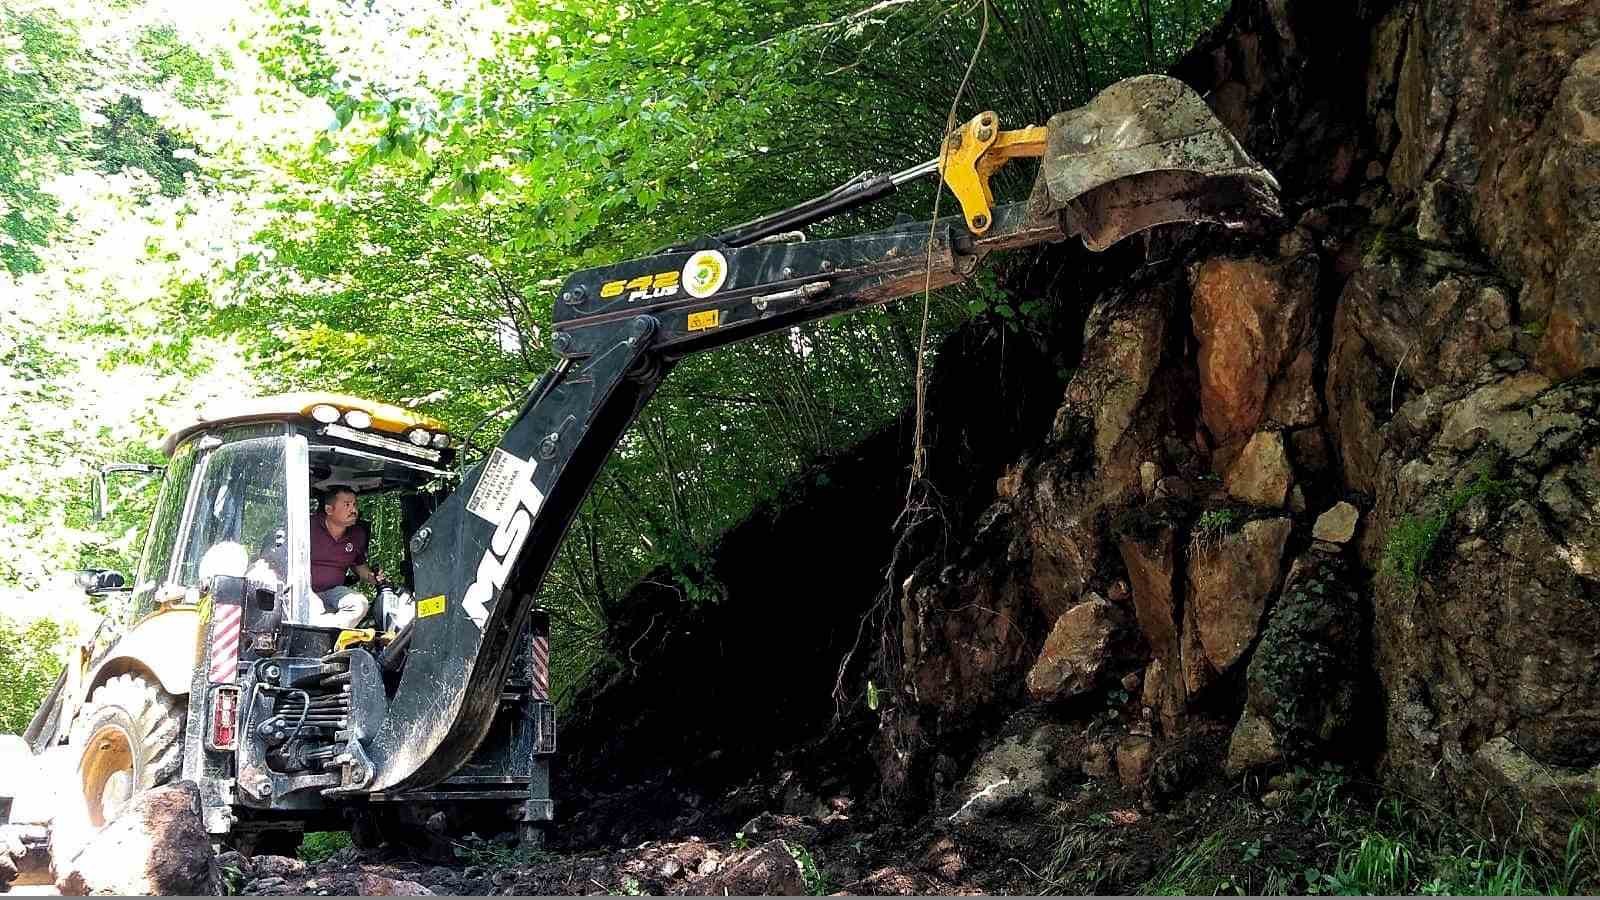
[(1016, 768), (1082, 649), (1520, 791), (1114, 386), (157, 845), (1149, 474), (1253, 320), (1338, 524), (1572, 336), (967, 638), (1260, 475), (1230, 582), (1152, 560), (1413, 320)]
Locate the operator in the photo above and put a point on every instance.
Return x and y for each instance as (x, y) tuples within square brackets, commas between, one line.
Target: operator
[(339, 544)]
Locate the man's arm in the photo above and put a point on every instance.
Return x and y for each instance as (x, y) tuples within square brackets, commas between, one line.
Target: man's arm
[(362, 570)]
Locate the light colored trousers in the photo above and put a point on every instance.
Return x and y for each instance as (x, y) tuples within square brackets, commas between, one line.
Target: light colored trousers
[(352, 607)]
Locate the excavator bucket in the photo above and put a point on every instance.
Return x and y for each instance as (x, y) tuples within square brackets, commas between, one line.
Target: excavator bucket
[(1147, 151)]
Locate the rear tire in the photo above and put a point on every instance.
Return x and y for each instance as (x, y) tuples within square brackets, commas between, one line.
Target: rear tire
[(130, 739)]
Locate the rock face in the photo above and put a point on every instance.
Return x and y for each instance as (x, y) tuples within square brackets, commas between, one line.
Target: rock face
[(1414, 349), (157, 845), (1493, 639)]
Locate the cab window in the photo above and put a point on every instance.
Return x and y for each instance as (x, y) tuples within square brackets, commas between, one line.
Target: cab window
[(162, 538), (241, 506)]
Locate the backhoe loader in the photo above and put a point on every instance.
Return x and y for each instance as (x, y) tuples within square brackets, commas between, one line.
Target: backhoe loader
[(440, 703)]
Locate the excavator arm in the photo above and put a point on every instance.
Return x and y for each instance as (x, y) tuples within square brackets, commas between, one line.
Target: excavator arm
[(1145, 151)]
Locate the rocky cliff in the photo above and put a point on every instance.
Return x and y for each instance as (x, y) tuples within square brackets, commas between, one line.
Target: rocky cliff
[(1327, 490)]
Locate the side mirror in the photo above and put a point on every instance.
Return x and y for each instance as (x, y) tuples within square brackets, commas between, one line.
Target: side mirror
[(100, 503), (100, 581)]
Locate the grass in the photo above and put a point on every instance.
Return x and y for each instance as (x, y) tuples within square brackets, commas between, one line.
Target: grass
[(477, 851), (317, 846), (1192, 870), (1328, 839), (1412, 540), (1212, 526)]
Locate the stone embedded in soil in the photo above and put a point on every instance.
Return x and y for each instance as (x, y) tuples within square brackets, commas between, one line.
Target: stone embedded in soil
[(1252, 745), (1229, 584), (1261, 474), (370, 884), (1149, 474), (276, 865), (1097, 760), (945, 859), (1016, 767), (767, 870), (1081, 648), (1134, 755), (1337, 525)]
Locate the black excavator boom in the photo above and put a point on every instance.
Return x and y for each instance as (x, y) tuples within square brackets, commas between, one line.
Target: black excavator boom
[(1144, 152)]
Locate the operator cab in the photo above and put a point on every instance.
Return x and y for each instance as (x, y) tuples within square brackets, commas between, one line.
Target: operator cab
[(242, 486)]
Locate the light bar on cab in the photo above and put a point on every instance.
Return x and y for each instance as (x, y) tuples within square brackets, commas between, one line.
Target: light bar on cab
[(382, 443)]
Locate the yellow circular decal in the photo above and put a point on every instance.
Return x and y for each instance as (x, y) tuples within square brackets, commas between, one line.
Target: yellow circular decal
[(704, 273)]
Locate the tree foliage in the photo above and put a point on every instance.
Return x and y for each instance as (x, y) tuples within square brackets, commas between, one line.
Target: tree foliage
[(440, 214), (29, 662), (37, 116), (468, 157)]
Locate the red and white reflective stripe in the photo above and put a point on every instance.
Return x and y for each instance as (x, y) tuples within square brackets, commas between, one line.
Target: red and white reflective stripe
[(225, 644), (541, 667)]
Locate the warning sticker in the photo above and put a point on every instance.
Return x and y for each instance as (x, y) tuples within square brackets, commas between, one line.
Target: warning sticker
[(492, 498), (430, 607), (700, 321)]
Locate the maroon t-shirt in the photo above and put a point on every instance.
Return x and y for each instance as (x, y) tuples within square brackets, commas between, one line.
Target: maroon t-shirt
[(331, 558)]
